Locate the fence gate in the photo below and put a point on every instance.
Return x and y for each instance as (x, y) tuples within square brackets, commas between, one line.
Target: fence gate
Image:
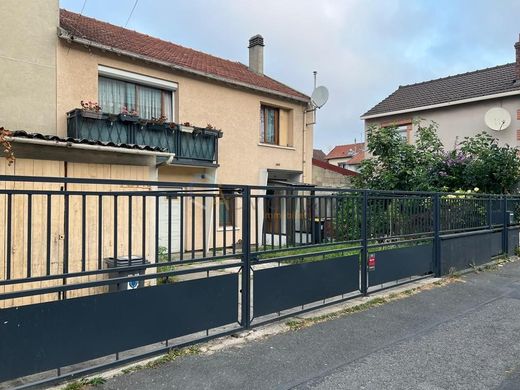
[(94, 274)]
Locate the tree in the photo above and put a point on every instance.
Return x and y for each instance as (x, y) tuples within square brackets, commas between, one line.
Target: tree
[(425, 166), (397, 165)]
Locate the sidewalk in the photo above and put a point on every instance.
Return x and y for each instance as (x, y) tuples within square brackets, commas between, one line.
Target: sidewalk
[(465, 335)]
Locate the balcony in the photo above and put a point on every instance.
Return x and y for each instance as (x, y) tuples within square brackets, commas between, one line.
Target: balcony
[(191, 145)]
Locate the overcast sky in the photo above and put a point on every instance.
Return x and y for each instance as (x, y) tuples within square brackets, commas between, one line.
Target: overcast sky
[(362, 49)]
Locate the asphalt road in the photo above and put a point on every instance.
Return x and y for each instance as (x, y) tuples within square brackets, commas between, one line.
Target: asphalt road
[(465, 335)]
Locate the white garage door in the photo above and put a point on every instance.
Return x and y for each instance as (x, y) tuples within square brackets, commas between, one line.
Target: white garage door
[(163, 223)]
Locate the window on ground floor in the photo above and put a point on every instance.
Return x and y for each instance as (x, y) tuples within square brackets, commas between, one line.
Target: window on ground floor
[(226, 210)]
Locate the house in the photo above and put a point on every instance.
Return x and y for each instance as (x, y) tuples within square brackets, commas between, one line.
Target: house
[(458, 104), (347, 156), (319, 154), (329, 175), (85, 98)]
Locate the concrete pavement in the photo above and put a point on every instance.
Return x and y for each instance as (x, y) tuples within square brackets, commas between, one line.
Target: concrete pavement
[(465, 335)]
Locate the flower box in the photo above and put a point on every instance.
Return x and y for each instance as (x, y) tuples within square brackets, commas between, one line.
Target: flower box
[(129, 118), (91, 114), (187, 129)]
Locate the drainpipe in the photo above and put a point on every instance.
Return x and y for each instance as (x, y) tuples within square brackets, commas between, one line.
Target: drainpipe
[(303, 143)]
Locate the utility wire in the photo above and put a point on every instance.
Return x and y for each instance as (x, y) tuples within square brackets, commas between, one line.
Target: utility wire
[(83, 8), (131, 12), (79, 16)]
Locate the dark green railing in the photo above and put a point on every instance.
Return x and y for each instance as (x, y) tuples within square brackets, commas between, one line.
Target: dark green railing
[(199, 145)]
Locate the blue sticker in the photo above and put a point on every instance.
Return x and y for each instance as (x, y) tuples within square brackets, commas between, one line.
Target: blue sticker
[(133, 284)]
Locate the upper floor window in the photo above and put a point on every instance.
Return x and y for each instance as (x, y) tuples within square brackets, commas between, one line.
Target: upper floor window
[(269, 125), (403, 131), (403, 128), (275, 126), (149, 102)]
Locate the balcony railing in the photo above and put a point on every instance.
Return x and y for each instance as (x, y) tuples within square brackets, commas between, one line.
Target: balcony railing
[(193, 145)]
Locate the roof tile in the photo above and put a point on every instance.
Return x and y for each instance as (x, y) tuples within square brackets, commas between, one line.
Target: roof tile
[(132, 41), (343, 151), (479, 83)]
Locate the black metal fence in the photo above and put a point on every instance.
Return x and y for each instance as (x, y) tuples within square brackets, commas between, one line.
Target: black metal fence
[(95, 273)]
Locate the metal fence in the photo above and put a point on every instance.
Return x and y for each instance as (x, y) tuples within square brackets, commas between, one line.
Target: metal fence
[(95, 273)]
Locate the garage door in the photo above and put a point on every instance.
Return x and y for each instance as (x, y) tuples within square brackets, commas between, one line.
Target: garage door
[(175, 231)]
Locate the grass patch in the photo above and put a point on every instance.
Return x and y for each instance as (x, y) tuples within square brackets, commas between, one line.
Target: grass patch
[(163, 258), (341, 250), (297, 324), (306, 322), (173, 355), (129, 370), (305, 252), (85, 383)]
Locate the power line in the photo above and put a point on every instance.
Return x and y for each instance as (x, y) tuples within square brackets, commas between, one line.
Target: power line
[(131, 12), (79, 16), (83, 8)]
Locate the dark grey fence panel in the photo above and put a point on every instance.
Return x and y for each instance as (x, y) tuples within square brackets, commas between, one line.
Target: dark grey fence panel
[(400, 263), (44, 336), (281, 288), (461, 251)]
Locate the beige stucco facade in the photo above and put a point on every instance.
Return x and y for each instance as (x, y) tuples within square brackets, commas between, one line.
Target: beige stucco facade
[(28, 64), (200, 102), (44, 76), (456, 122)]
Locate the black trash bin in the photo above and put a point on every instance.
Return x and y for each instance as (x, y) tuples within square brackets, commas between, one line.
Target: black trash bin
[(120, 262), (317, 227)]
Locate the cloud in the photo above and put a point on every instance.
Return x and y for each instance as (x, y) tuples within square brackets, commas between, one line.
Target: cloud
[(362, 49)]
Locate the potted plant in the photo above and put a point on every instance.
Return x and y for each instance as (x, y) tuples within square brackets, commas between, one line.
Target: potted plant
[(127, 115), (158, 123), (91, 109)]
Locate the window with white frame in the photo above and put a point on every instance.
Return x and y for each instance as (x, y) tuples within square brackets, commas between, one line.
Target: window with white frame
[(149, 97), (403, 131)]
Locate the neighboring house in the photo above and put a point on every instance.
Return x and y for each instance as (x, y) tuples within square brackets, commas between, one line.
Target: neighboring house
[(347, 156), (328, 175), (458, 104), (319, 154), (251, 129)]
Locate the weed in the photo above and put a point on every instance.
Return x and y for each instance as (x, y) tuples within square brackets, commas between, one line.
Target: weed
[(84, 382), (517, 251), (172, 355), (452, 273), (303, 323), (96, 381), (129, 370)]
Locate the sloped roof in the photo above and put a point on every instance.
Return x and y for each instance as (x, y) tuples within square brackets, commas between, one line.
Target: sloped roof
[(357, 159), (186, 59), (344, 151), (333, 168), (476, 84)]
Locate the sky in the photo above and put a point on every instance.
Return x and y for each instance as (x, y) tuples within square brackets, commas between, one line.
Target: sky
[(362, 49)]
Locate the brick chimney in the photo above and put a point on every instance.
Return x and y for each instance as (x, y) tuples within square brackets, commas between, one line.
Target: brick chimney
[(256, 54), (517, 67)]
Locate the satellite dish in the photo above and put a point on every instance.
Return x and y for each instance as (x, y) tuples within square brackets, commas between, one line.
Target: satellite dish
[(497, 118), (319, 96)]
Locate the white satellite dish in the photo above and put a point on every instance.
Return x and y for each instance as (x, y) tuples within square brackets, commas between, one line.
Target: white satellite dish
[(497, 118), (319, 96)]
